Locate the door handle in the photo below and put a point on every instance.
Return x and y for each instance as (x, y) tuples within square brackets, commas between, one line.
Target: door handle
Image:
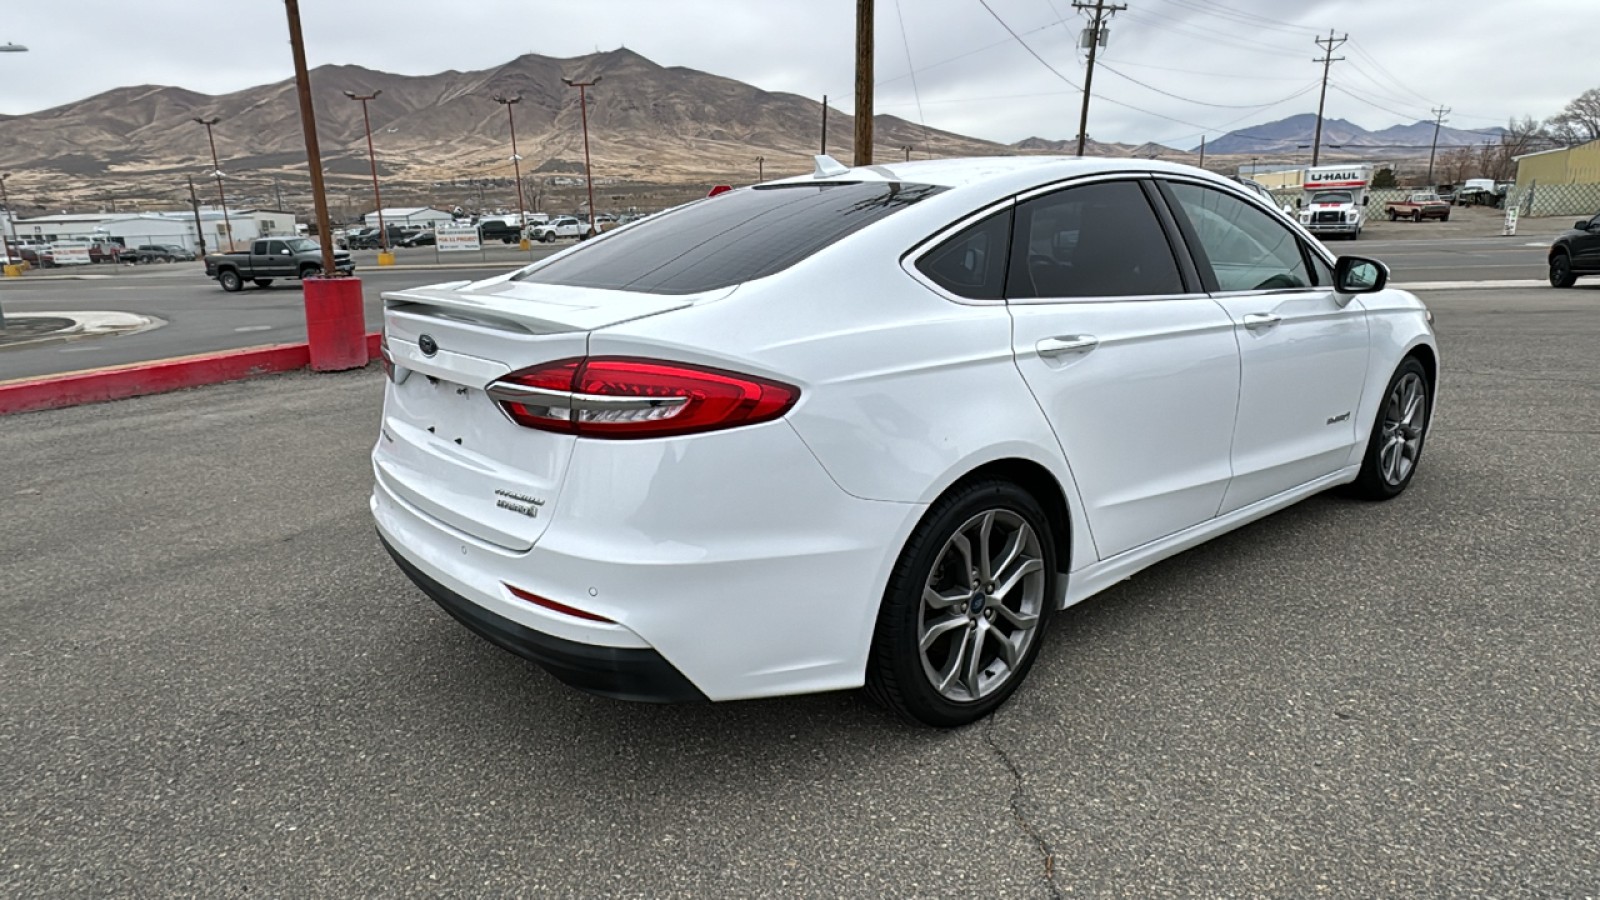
[(1253, 321), (1067, 343)]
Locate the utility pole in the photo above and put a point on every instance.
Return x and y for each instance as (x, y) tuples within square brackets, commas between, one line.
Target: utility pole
[(199, 230), (907, 149), (824, 150), (308, 125), (1095, 37), (1202, 151), (1328, 44), (1438, 119), (216, 167), (761, 169), (11, 219), (863, 82), (588, 174), (277, 192)]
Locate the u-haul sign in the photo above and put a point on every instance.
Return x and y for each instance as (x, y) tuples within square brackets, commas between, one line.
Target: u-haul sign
[(1346, 176)]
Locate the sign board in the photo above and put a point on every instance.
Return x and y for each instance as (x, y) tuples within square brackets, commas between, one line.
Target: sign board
[(453, 238), (1511, 221), (70, 254)]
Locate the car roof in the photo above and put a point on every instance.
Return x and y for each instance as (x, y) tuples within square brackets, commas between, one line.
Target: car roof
[(1003, 175)]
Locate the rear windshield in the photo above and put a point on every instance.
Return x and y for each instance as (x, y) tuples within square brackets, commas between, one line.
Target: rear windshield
[(729, 239)]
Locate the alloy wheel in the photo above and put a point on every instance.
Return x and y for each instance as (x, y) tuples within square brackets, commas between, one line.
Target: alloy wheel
[(1405, 415), (981, 606)]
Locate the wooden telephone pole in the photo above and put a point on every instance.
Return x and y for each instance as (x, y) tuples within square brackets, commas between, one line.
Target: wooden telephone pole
[(1096, 36), (863, 82), (1327, 59)]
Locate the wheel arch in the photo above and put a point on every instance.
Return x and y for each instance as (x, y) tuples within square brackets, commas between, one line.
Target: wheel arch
[(1039, 482)]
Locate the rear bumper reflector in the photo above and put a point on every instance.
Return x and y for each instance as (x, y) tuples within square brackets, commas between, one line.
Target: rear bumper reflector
[(622, 673)]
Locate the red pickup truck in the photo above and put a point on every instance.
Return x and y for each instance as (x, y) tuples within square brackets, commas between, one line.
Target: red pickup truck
[(1417, 207)]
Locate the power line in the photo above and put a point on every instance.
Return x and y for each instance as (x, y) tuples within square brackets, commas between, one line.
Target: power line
[(1243, 18), (1249, 77), (1109, 68), (1018, 39), (1210, 36), (906, 41)]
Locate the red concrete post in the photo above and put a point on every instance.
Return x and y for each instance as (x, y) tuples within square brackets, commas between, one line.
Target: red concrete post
[(335, 324)]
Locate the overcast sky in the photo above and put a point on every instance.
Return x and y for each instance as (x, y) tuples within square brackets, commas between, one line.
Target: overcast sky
[(1486, 59)]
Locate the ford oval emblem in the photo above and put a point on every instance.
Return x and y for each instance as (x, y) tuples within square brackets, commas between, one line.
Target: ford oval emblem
[(427, 345)]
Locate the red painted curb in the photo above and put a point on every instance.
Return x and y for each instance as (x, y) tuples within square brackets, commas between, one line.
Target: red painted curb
[(155, 377)]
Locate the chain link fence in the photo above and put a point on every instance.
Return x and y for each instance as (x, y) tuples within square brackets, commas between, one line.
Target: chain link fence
[(1558, 199)]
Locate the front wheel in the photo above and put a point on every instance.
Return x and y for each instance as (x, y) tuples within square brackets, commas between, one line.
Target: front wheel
[(964, 614), (1393, 216), (230, 280), (1394, 448), (548, 237), (310, 272), (1561, 271)]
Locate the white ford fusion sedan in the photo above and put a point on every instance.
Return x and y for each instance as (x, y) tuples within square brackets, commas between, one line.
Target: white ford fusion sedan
[(871, 426)]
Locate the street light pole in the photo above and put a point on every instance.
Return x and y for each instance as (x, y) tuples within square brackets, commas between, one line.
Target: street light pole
[(11, 218), (516, 162), (583, 107), (372, 159), (216, 171)]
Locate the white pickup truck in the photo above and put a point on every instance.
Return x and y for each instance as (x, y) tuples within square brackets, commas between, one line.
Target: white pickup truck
[(558, 227)]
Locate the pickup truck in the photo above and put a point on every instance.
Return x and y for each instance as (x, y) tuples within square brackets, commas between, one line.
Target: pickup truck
[(559, 227), (1417, 207), (272, 258)]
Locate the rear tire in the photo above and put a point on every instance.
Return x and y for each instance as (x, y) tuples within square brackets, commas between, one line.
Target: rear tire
[(1394, 446), (230, 280), (1393, 215), (1561, 275), (966, 607)]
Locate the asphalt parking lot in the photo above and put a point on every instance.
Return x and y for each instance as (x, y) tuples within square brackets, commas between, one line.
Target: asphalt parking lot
[(213, 681)]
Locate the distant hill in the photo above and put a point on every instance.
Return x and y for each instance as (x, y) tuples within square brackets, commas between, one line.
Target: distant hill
[(1287, 135)]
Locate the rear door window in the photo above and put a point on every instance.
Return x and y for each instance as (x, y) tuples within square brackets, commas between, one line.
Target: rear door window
[(729, 239), (1094, 240)]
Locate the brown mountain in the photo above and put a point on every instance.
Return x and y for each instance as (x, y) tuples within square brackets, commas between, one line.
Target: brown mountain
[(435, 135)]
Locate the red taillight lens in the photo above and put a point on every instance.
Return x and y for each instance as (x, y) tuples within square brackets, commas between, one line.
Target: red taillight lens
[(619, 397)]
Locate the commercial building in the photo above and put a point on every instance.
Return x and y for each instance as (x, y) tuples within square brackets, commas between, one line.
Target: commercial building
[(426, 216), (1559, 182), (166, 227)]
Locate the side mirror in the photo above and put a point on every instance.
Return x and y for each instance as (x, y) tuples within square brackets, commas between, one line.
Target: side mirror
[(1366, 199), (1359, 275), (1299, 202)]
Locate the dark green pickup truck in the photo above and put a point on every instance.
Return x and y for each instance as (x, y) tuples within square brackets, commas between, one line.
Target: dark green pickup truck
[(271, 258)]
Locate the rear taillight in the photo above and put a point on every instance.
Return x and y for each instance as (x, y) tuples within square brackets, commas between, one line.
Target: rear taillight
[(620, 397)]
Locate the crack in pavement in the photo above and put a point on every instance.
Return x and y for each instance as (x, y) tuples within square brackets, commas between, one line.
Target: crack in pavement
[(1017, 792)]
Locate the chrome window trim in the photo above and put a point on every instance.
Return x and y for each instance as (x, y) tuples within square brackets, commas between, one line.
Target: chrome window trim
[(1110, 298)]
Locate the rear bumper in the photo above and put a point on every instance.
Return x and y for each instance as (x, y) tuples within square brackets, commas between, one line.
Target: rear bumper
[(619, 672)]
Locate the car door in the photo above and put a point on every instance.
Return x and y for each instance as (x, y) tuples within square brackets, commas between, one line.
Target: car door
[(1135, 367), (1586, 255), (1302, 347)]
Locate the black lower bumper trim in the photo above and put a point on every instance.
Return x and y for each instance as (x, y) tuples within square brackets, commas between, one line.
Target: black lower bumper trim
[(623, 673)]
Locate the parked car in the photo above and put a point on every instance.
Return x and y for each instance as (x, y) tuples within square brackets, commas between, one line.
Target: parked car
[(370, 239), (501, 230), (272, 258), (419, 239), (154, 253), (105, 252), (559, 227), (857, 428), (1446, 192), (1575, 252), (1418, 206)]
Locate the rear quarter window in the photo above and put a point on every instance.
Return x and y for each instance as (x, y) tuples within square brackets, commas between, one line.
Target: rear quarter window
[(729, 239)]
